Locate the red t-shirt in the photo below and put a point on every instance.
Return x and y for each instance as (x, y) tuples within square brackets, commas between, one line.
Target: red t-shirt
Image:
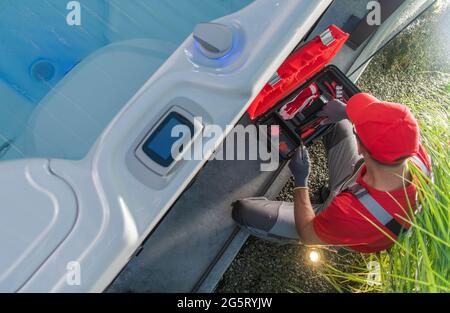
[(345, 222)]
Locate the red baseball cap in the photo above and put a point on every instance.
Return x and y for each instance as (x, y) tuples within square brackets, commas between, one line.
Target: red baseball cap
[(387, 130)]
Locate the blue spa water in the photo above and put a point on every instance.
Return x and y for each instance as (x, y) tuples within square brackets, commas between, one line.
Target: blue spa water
[(38, 49)]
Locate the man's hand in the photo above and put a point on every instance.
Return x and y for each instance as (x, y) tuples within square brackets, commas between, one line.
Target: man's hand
[(303, 211), (335, 110), (301, 167)]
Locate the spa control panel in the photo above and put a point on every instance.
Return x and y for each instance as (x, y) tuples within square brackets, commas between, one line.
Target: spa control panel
[(169, 141)]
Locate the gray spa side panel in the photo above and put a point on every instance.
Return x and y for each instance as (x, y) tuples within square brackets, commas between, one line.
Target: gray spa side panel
[(218, 269), (192, 236)]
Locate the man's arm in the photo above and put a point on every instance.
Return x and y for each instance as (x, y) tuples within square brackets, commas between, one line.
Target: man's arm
[(304, 213), (335, 111), (304, 218)]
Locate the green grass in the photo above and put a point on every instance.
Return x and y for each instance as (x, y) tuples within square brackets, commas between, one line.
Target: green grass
[(420, 259), (447, 88)]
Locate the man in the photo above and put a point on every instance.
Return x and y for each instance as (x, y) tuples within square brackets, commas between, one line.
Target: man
[(371, 197)]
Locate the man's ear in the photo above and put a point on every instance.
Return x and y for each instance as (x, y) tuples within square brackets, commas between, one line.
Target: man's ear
[(361, 150)]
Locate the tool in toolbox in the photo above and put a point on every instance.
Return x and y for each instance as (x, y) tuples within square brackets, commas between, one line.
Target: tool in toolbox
[(303, 86), (300, 102), (308, 130)]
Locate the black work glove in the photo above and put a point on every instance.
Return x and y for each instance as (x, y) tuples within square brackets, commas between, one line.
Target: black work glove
[(300, 167), (335, 110)]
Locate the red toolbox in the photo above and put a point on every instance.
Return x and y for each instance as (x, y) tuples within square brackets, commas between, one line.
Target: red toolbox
[(300, 89)]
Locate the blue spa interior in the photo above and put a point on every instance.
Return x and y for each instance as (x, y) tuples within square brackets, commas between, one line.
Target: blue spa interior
[(39, 50)]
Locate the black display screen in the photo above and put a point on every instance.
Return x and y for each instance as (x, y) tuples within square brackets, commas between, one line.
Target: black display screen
[(159, 145)]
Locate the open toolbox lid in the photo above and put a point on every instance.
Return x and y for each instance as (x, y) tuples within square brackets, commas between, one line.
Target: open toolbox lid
[(298, 68)]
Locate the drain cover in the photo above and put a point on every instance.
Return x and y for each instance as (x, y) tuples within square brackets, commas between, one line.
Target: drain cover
[(43, 70)]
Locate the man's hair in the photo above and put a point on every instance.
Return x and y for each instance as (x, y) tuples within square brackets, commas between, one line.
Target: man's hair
[(399, 161)]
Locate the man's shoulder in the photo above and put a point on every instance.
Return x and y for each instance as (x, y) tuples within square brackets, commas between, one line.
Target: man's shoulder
[(344, 208), (345, 201)]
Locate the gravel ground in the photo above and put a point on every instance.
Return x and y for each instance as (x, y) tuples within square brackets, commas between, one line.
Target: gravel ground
[(403, 68)]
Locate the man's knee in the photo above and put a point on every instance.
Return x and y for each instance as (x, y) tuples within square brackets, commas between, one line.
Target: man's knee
[(270, 220), (258, 213)]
